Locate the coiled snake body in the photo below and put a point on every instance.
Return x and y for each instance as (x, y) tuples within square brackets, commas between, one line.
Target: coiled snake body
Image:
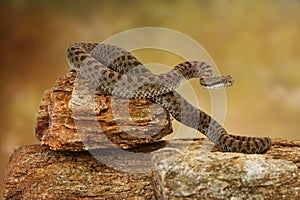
[(115, 71)]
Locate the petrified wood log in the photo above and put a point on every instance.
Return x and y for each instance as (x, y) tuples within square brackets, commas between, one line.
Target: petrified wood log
[(100, 121), (36, 172), (185, 169)]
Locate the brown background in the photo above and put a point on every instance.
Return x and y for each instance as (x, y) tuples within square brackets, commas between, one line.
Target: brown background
[(257, 42)]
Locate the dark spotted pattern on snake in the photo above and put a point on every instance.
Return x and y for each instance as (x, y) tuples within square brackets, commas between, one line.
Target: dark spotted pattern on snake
[(113, 70)]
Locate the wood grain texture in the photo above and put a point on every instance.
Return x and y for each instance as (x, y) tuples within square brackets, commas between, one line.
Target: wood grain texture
[(36, 172), (137, 122)]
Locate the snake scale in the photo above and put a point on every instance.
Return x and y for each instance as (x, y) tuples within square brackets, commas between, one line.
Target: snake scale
[(117, 72)]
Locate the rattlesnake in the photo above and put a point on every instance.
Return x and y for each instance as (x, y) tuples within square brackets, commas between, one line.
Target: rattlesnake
[(115, 71)]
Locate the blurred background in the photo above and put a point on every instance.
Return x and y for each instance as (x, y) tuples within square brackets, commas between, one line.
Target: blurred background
[(255, 41)]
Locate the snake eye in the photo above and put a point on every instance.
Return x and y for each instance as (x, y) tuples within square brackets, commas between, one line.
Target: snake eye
[(228, 81)]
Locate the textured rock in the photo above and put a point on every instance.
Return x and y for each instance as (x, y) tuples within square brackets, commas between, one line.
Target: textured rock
[(201, 174), (179, 169), (35, 172), (98, 120)]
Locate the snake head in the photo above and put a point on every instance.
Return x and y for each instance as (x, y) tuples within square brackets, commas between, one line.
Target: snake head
[(216, 82), (228, 80)]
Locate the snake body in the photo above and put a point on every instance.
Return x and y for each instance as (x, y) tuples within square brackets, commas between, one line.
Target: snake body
[(115, 71)]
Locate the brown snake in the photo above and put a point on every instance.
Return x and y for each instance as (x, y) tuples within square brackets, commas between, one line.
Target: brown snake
[(117, 72)]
